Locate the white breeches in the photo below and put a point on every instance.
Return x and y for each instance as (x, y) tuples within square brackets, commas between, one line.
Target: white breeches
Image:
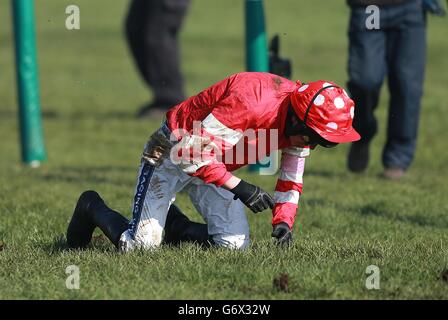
[(225, 217)]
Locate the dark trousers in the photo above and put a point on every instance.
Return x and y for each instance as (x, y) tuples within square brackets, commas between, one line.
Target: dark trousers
[(151, 29), (398, 50)]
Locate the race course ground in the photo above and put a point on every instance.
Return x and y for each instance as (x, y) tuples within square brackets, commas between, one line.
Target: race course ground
[(90, 92)]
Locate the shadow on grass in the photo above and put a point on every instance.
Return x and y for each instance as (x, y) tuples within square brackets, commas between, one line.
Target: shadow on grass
[(323, 173), (100, 243), (53, 114), (101, 116), (381, 209), (315, 202), (84, 174), (59, 245), (375, 209), (13, 115)]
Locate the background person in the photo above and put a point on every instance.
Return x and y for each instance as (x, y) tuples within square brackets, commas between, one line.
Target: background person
[(152, 28), (396, 50)]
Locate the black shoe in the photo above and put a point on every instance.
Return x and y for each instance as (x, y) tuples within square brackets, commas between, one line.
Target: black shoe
[(154, 110), (393, 173), (179, 228), (81, 227), (358, 157), (92, 212)]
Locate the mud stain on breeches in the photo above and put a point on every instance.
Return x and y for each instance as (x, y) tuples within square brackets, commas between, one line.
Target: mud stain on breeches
[(151, 232), (156, 187)]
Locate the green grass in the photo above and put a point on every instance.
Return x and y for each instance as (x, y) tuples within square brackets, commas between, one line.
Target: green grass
[(90, 91)]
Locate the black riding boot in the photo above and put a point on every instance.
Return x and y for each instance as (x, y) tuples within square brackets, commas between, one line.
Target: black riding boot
[(179, 228), (92, 212)]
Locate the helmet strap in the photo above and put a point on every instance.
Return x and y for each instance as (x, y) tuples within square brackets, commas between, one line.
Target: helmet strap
[(312, 102)]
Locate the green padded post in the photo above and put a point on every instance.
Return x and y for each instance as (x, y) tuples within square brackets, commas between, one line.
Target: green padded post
[(257, 58), (31, 136)]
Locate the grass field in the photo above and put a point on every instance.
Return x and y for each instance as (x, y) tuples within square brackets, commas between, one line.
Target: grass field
[(90, 92)]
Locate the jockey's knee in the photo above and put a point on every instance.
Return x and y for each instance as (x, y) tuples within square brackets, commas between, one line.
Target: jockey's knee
[(146, 237), (236, 242)]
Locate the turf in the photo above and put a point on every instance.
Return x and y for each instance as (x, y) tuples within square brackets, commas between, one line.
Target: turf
[(90, 92)]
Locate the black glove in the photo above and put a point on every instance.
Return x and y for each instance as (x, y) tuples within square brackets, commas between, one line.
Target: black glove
[(253, 197), (283, 234)]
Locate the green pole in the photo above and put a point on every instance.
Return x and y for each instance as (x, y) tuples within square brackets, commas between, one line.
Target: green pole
[(256, 46), (31, 137), (256, 43)]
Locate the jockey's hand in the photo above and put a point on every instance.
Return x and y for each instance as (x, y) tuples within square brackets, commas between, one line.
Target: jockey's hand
[(282, 232), (255, 198)]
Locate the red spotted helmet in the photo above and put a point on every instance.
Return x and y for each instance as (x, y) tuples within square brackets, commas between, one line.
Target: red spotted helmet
[(327, 109)]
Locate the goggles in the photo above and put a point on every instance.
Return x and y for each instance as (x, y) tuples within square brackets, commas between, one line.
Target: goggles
[(314, 138)]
